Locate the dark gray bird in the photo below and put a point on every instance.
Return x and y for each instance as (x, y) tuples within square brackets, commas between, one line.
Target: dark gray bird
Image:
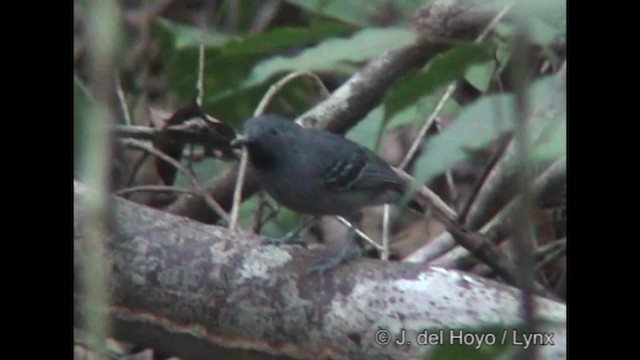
[(316, 172)]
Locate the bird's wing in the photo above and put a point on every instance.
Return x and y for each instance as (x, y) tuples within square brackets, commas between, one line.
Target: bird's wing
[(360, 169)]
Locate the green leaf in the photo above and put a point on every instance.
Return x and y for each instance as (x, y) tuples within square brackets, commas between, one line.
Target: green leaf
[(546, 21), (186, 35), (551, 11), (503, 55), (81, 102), (540, 32), (331, 53), (229, 97), (547, 101), (410, 115), (228, 62), (480, 75), (477, 125), (366, 131), (552, 143), (443, 69), (281, 38), (362, 12), (417, 112)]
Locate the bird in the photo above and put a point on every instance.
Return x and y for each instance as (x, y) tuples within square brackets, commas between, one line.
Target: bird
[(317, 173)]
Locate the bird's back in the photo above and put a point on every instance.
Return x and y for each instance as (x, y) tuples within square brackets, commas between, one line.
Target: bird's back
[(316, 172), (333, 175)]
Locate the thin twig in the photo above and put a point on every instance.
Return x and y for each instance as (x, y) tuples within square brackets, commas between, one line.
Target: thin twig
[(193, 131), (549, 248), (523, 239), (449, 214), (123, 101), (208, 199), (237, 194), (190, 159), (384, 255), (493, 256), (136, 169), (97, 149), (264, 17), (494, 22), (128, 123), (451, 187), (360, 233), (278, 86), (87, 93), (154, 188), (550, 252), (200, 83), (427, 124), (260, 220), (491, 164), (197, 154), (448, 175)]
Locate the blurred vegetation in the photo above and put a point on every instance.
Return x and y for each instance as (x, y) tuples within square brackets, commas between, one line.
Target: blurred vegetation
[(250, 44)]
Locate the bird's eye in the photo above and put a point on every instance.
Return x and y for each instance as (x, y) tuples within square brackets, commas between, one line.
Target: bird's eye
[(274, 131)]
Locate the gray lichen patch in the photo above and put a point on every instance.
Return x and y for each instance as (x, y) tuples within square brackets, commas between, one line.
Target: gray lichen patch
[(440, 298), (258, 262)]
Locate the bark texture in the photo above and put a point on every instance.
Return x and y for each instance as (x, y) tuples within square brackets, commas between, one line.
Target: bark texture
[(201, 292)]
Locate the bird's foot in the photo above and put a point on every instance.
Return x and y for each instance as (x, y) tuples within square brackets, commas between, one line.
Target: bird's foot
[(292, 237), (289, 239), (329, 262)]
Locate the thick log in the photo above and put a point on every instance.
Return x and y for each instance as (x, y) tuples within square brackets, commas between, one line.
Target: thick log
[(200, 292)]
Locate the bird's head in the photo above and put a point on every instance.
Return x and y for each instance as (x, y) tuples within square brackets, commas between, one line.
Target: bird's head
[(267, 137)]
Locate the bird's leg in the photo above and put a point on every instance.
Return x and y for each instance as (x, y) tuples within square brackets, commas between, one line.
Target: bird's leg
[(292, 237), (346, 253)]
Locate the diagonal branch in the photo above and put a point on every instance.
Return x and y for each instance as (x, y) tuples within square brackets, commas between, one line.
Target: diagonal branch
[(548, 182)]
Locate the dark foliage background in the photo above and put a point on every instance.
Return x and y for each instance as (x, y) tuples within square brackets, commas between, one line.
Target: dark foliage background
[(249, 45)]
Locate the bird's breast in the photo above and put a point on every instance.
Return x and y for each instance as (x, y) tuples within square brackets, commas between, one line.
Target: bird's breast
[(293, 189)]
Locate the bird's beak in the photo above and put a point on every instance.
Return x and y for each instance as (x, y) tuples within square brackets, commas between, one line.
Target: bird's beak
[(239, 141)]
